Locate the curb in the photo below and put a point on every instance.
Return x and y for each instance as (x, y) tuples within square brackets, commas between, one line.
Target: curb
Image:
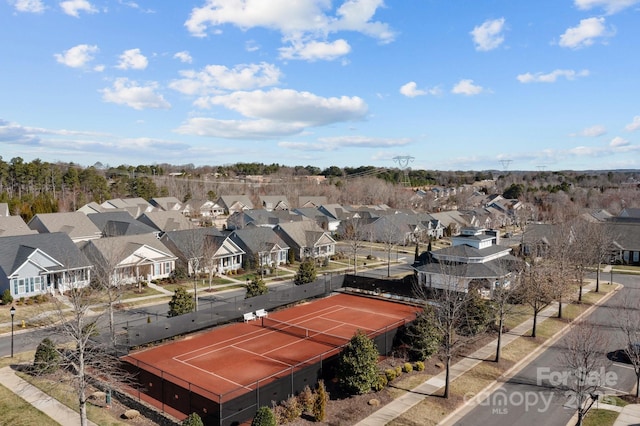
[(467, 407)]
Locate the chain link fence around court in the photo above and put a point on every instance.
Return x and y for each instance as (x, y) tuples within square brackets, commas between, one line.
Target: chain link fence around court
[(213, 311)]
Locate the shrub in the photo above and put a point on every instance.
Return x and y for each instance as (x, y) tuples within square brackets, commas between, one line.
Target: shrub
[(419, 366), (320, 404), (290, 410), (30, 301), (7, 298), (193, 420), (407, 367), (398, 369), (264, 417), (306, 399), (390, 374), (46, 359), (381, 383)]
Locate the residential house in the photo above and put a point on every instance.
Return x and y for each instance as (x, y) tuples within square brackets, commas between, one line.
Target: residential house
[(242, 219), (93, 207), (626, 241), (118, 223), (202, 208), (195, 248), (274, 202), (234, 203), (14, 225), (166, 203), (305, 201), (166, 221), (453, 221), (75, 224), (404, 228), (536, 239), (36, 264), (473, 261), (131, 258), (135, 206), (263, 247), (306, 239), (324, 221)]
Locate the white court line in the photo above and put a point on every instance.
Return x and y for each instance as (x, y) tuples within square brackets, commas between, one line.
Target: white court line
[(211, 373)]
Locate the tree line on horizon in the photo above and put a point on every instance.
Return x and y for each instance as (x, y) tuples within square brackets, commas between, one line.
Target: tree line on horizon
[(38, 186)]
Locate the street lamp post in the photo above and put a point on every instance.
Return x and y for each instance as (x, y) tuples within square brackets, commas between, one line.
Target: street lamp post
[(13, 313)]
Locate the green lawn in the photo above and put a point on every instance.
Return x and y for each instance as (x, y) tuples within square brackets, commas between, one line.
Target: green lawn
[(598, 417), (16, 411)]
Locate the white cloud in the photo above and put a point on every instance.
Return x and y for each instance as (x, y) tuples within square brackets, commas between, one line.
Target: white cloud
[(77, 56), (315, 50), (308, 20), (466, 87), (291, 106), (126, 92), (584, 34), (275, 113), (593, 131), (634, 125), (610, 6), (72, 7), (238, 129), (132, 59), (411, 90), (618, 142), (214, 79), (184, 57), (488, 36), (29, 6), (335, 143), (551, 77)]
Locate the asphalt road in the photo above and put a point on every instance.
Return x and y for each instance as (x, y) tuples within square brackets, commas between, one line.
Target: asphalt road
[(536, 394)]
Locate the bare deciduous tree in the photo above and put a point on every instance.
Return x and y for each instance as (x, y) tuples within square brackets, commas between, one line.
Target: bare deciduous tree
[(353, 232), (537, 289), (628, 316), (585, 359)]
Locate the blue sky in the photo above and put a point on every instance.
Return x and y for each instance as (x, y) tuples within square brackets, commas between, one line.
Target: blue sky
[(455, 84)]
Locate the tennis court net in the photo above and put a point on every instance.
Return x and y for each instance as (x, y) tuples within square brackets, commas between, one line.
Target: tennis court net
[(304, 333)]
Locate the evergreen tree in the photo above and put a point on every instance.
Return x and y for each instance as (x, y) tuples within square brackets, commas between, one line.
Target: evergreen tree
[(193, 420), (422, 336), (306, 272), (46, 359), (181, 303), (357, 364), (320, 403), (477, 315), (264, 417), (256, 287)]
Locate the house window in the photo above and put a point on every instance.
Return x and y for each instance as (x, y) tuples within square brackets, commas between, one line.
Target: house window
[(167, 267), (157, 269), (21, 286)]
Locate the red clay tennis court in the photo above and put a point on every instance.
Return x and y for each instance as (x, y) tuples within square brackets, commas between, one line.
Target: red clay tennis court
[(224, 363)]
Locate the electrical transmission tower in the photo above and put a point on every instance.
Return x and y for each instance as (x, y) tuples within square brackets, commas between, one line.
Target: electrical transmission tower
[(505, 164), (403, 164)]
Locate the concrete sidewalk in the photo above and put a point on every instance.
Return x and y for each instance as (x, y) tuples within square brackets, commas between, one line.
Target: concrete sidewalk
[(57, 411), (413, 397)]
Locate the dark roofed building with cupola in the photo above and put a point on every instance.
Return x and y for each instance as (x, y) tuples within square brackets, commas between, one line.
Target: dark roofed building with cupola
[(474, 260)]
